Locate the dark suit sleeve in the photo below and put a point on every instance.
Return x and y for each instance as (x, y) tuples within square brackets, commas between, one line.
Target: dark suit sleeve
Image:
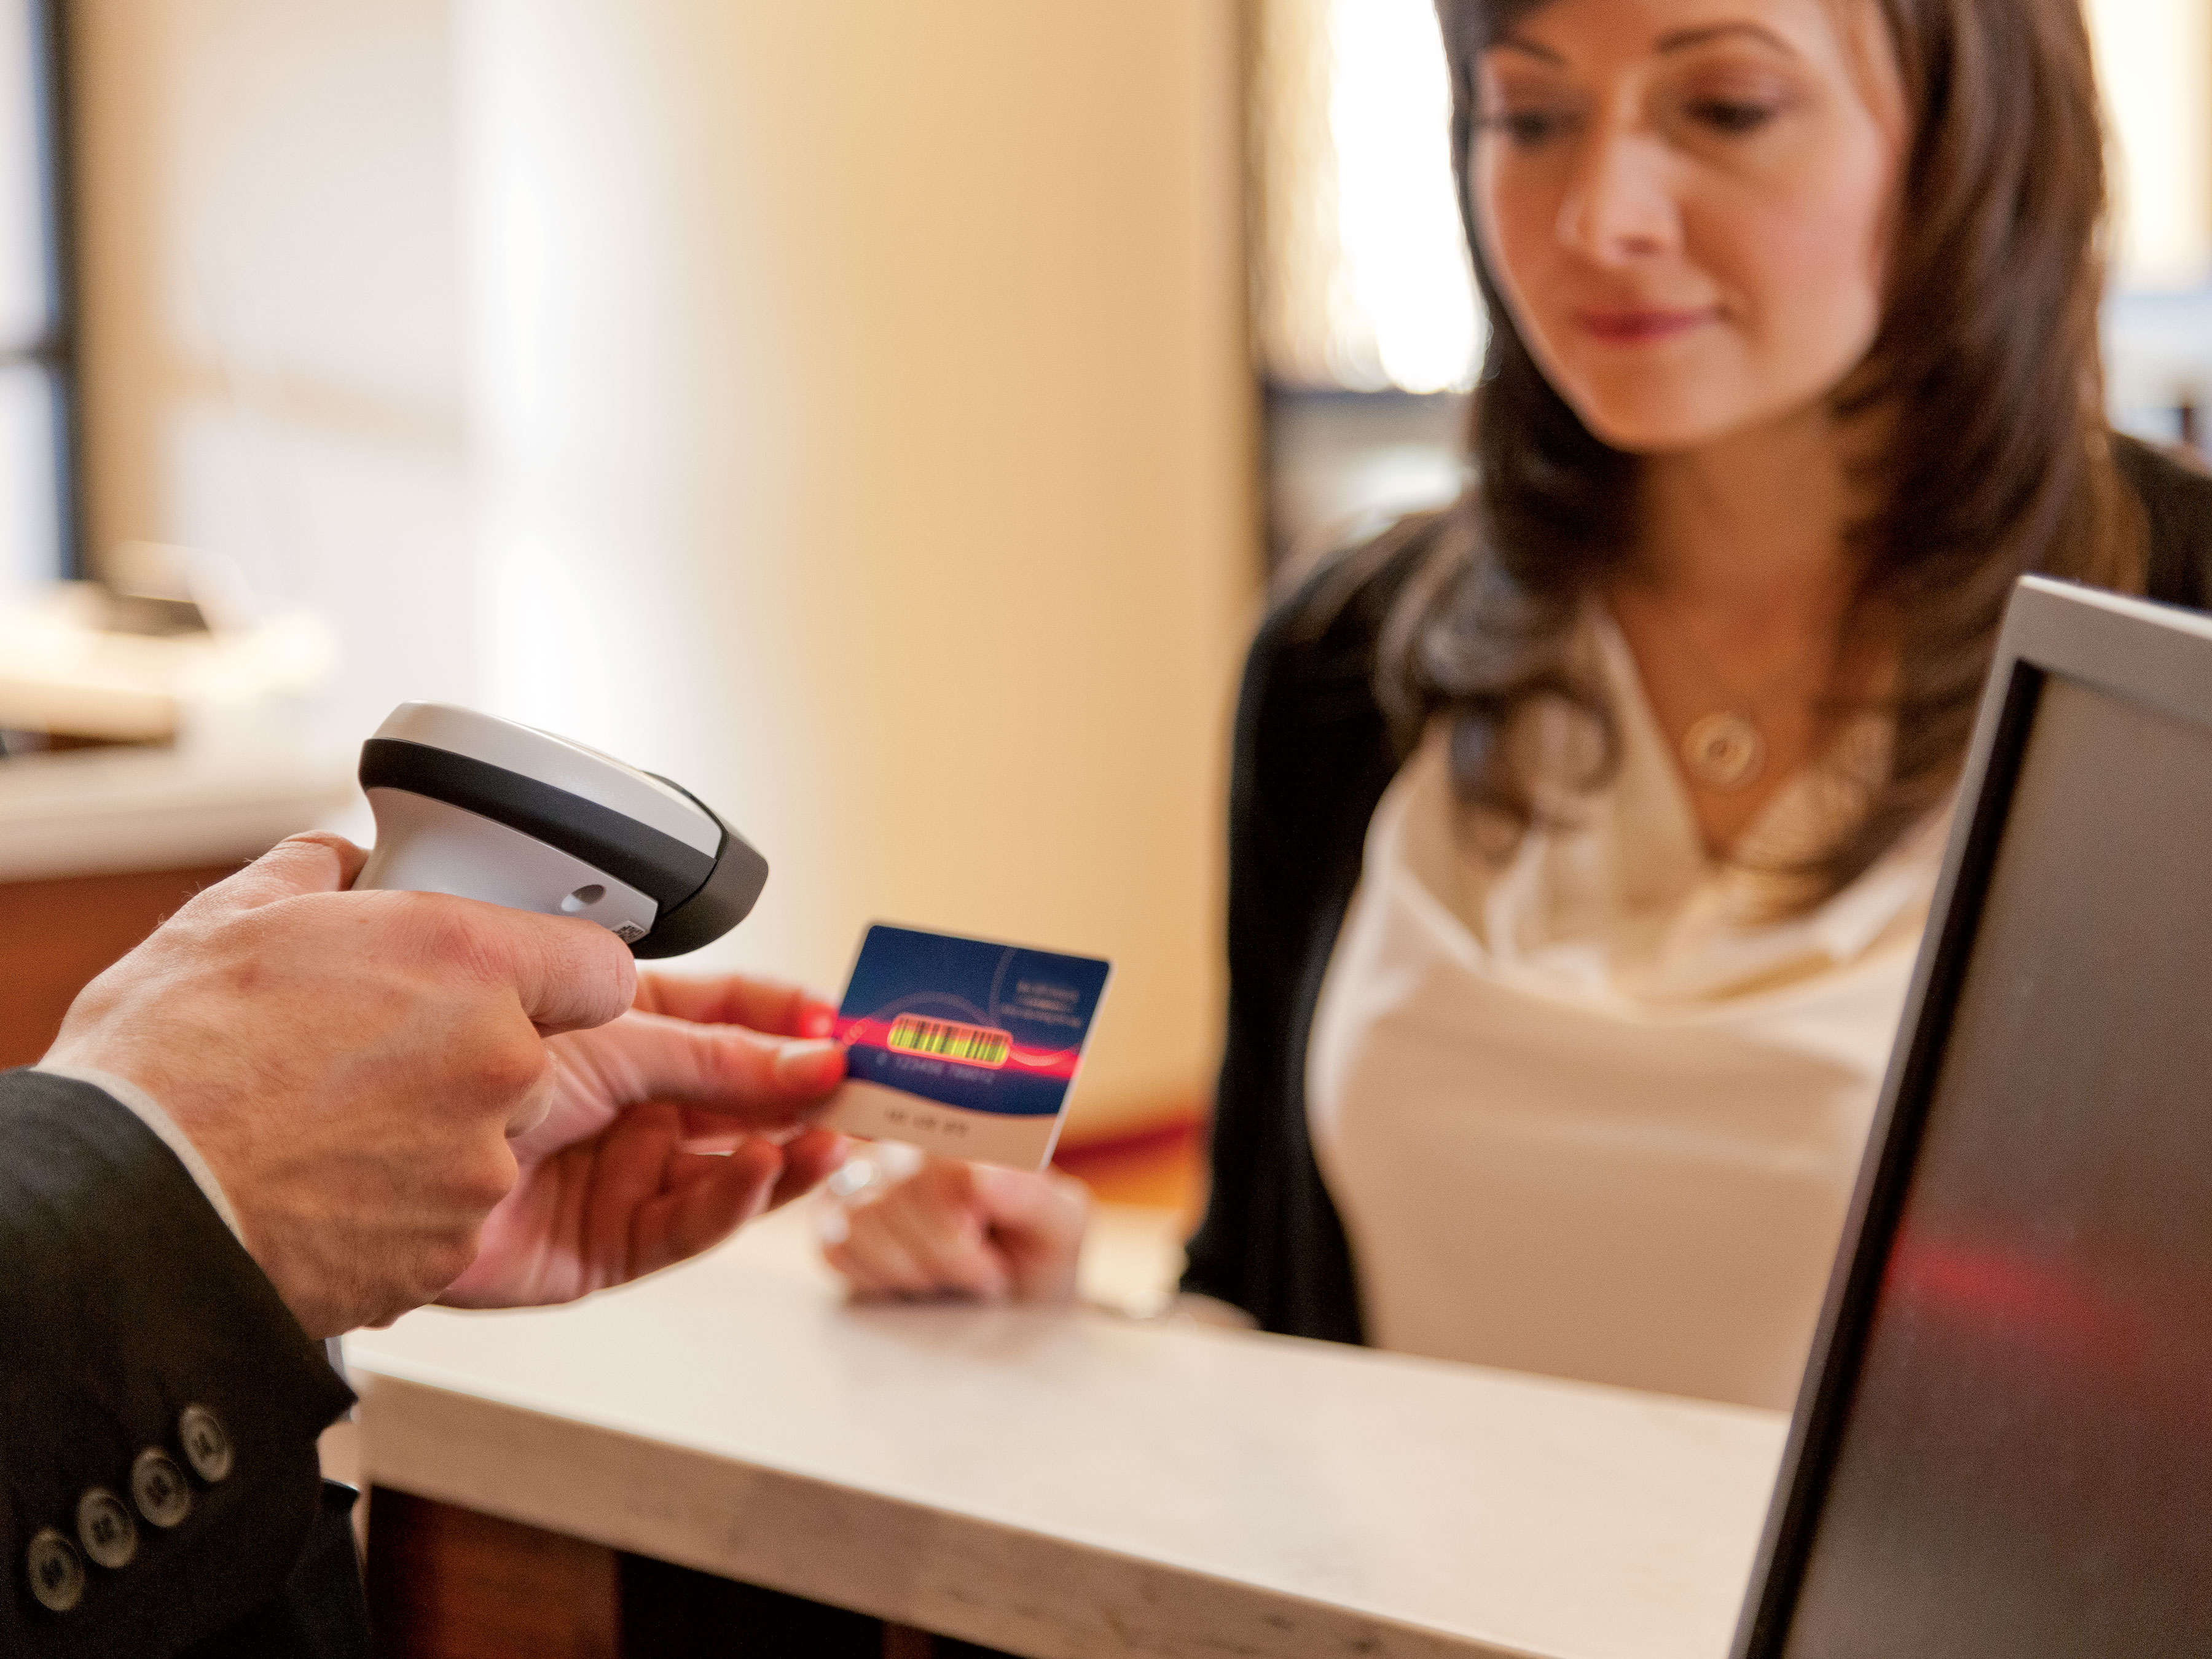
[(130, 1319)]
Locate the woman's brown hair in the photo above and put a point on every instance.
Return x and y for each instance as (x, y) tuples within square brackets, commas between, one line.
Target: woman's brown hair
[(1985, 366)]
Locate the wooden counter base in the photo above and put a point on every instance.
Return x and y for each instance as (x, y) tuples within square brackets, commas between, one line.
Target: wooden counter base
[(446, 1582), (55, 935)]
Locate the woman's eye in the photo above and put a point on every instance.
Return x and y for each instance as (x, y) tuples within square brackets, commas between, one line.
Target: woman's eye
[(1729, 116), (1528, 128)]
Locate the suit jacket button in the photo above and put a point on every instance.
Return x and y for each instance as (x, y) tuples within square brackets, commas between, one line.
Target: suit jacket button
[(207, 1443), (158, 1488), (56, 1570), (106, 1529)]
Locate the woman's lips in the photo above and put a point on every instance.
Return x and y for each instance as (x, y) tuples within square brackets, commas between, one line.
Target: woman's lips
[(1640, 325)]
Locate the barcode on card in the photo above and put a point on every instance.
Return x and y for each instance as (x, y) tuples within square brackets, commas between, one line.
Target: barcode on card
[(942, 1039)]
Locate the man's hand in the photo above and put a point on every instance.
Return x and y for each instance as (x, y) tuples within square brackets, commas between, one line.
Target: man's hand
[(654, 1149), (350, 1065)]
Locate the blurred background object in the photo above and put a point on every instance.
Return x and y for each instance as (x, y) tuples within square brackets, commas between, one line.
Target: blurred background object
[(863, 433), (2154, 57), (83, 662), (851, 416), (1365, 317), (39, 534), (883, 419)]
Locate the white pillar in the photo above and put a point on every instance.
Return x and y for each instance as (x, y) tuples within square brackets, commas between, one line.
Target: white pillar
[(863, 404)]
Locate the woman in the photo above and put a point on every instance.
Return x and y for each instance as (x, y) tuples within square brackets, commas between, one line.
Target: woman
[(1582, 833)]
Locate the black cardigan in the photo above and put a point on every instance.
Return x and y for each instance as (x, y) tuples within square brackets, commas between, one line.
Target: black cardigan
[(1312, 755)]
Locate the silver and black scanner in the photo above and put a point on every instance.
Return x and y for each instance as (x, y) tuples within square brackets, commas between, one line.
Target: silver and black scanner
[(482, 808)]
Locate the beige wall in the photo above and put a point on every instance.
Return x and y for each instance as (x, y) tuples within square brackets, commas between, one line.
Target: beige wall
[(867, 430), (843, 408), (273, 313)]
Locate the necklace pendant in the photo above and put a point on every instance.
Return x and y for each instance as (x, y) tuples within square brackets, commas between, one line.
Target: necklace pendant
[(1724, 752)]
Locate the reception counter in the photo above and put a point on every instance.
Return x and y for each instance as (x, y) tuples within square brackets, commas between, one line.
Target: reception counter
[(1078, 1483)]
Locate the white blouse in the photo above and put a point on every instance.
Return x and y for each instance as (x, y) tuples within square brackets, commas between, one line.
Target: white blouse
[(1585, 1109)]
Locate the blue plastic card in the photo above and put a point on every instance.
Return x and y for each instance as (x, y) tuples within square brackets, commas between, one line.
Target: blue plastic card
[(963, 1046)]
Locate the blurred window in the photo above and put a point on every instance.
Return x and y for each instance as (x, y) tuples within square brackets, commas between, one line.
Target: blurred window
[(2154, 61), (37, 345), (1367, 325), (1365, 284)]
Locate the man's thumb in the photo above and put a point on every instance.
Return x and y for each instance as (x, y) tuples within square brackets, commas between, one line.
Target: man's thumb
[(316, 862)]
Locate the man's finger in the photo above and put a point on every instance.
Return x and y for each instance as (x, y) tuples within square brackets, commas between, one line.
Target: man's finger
[(767, 1006), (703, 1210), (570, 975), (535, 1107), (316, 862), (725, 1069), (808, 1160)]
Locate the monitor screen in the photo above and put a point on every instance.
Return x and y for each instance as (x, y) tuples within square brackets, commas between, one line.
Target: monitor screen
[(2025, 1464)]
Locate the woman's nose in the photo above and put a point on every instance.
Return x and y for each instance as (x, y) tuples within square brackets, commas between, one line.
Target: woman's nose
[(1618, 208)]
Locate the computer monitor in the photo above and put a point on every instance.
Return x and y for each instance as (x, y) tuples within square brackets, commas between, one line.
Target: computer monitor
[(2004, 1445)]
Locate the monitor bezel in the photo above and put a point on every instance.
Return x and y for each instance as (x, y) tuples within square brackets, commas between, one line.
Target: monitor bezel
[(2155, 654)]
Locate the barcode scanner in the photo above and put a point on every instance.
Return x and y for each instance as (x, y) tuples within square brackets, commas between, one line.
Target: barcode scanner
[(482, 808)]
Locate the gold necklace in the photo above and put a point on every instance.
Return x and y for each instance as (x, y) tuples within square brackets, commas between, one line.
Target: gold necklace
[(1725, 750)]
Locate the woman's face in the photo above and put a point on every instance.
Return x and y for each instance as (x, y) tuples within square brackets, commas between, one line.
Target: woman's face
[(1684, 203)]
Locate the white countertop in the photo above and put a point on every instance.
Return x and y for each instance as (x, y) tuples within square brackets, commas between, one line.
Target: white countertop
[(95, 812), (1078, 1483)]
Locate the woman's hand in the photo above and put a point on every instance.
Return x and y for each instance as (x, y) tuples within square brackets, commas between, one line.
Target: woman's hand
[(965, 1229), (664, 1133)]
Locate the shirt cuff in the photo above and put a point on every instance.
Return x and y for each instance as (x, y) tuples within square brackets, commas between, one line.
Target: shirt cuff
[(147, 1111)]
